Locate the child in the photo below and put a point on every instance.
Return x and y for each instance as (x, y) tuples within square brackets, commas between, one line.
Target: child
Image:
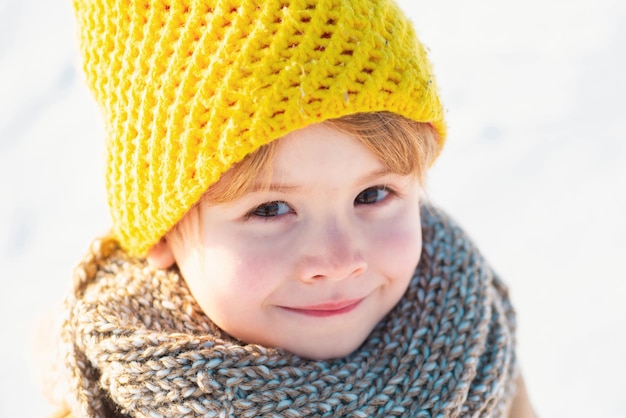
[(271, 251)]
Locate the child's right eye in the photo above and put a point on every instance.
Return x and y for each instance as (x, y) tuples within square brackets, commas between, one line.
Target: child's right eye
[(270, 210)]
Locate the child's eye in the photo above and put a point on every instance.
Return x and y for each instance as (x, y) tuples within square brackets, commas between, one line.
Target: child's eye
[(372, 195), (270, 210)]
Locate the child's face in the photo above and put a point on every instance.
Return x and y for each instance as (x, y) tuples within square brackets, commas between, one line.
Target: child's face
[(315, 262)]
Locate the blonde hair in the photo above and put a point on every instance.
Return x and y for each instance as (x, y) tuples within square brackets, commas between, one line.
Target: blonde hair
[(404, 146)]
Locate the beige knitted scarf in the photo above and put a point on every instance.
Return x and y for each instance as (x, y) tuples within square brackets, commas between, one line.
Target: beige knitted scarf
[(135, 343)]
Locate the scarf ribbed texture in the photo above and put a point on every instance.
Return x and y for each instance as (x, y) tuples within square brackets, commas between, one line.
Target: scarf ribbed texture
[(135, 343)]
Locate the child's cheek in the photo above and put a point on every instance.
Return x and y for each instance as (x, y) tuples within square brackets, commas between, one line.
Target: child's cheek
[(397, 246), (228, 284), (253, 270), (209, 274)]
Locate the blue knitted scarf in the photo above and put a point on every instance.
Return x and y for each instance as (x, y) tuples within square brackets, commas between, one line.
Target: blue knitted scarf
[(135, 343)]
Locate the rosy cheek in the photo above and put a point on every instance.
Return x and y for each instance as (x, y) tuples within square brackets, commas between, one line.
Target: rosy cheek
[(398, 246), (212, 273), (251, 273)]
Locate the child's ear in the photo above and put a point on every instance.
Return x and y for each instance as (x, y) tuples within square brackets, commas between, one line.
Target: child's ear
[(161, 255)]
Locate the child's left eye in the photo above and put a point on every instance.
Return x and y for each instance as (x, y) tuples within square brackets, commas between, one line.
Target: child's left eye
[(371, 195), (270, 210)]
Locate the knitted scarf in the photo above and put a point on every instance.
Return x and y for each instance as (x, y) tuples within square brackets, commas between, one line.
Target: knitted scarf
[(135, 343)]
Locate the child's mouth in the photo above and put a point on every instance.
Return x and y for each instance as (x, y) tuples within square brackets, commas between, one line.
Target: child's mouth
[(326, 309)]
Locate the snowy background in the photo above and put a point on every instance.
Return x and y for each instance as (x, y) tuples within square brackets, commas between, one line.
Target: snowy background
[(534, 168)]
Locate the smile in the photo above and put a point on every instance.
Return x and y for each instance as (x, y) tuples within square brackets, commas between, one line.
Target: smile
[(327, 309)]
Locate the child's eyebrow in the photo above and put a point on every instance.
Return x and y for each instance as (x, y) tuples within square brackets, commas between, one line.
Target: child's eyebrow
[(292, 188), (375, 174), (276, 187)]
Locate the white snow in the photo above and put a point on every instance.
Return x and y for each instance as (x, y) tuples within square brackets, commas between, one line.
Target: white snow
[(534, 168)]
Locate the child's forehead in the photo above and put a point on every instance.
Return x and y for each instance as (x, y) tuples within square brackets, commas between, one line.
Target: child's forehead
[(319, 144)]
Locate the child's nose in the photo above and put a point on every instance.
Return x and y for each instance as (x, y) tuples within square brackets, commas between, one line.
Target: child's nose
[(332, 253)]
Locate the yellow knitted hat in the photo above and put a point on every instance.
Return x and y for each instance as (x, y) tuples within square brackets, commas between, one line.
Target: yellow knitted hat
[(190, 87)]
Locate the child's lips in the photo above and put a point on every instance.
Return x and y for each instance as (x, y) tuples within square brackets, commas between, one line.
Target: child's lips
[(326, 309)]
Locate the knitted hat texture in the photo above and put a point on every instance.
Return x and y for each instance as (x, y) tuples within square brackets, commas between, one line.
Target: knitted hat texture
[(190, 87)]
